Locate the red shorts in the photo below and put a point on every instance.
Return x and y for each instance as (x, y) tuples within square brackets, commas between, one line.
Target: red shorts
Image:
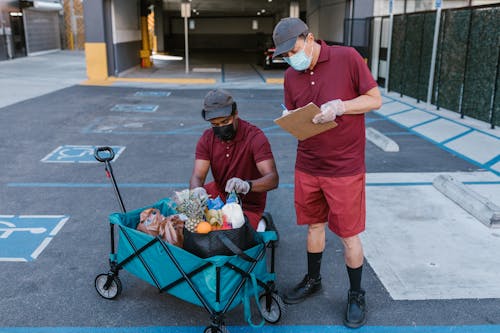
[(253, 217), (338, 200)]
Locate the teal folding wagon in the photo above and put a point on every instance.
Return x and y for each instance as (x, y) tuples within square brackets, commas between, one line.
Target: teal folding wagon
[(218, 283)]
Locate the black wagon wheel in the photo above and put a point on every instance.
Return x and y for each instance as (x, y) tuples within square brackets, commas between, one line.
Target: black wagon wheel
[(108, 285), (216, 329), (272, 312)]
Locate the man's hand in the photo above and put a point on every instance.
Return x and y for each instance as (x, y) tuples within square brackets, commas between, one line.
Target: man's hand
[(329, 111), (237, 185), (200, 192)]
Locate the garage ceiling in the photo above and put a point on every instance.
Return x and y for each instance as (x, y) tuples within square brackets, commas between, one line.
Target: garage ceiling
[(205, 8)]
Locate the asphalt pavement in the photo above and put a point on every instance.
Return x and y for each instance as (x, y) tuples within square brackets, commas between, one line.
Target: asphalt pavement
[(431, 261)]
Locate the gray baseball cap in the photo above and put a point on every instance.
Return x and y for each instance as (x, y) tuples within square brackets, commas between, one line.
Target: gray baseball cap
[(286, 32), (217, 103)]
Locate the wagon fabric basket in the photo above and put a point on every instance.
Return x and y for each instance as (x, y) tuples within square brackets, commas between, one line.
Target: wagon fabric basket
[(218, 283)]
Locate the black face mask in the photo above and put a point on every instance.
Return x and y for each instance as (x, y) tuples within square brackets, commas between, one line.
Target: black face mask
[(225, 133)]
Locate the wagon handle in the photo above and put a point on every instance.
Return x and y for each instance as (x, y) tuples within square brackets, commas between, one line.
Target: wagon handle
[(102, 158), (109, 171)]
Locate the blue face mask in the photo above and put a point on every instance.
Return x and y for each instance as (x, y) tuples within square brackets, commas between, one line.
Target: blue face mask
[(299, 61)]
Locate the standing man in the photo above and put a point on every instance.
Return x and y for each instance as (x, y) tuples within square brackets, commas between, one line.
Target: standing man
[(330, 167), (239, 156)]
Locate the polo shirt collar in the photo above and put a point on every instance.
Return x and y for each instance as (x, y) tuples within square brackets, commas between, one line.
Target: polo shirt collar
[(323, 53)]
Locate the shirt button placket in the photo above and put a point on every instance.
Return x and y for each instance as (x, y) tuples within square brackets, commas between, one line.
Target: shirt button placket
[(312, 78)]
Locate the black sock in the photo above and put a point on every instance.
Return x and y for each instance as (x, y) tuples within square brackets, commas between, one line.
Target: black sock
[(355, 277), (314, 264)]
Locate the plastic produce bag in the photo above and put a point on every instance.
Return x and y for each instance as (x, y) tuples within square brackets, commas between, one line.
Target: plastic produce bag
[(234, 214)]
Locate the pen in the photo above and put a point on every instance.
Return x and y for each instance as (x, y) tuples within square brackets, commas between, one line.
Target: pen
[(283, 107)]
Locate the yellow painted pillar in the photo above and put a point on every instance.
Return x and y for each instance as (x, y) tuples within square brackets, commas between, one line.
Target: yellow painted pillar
[(145, 53), (96, 59)]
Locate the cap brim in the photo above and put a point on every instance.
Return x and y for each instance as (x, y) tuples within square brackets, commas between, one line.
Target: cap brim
[(284, 47), (221, 112)]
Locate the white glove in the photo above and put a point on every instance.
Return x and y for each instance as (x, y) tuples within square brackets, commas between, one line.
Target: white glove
[(329, 111), (237, 185), (200, 192)]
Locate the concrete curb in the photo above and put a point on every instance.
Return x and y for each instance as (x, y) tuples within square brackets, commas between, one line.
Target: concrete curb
[(381, 141), (478, 206)]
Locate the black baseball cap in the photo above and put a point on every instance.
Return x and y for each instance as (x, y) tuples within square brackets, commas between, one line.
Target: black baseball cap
[(285, 34), (217, 103)]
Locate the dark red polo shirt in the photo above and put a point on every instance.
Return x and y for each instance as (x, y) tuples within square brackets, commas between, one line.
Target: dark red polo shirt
[(237, 158), (340, 73)]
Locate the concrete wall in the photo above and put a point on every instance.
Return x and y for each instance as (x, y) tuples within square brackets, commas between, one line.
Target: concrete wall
[(325, 19), (126, 30)]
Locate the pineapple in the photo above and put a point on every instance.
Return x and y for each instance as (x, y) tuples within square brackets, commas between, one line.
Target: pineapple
[(192, 206)]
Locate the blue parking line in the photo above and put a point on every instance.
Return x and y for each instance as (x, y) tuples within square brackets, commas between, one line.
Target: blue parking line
[(426, 122), (442, 145), (493, 161), (258, 73), (265, 329), (100, 185), (451, 151), (432, 113), (396, 113), (397, 133), (470, 130), (186, 185)]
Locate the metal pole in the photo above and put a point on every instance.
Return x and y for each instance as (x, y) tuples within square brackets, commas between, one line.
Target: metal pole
[(420, 60), (441, 42), (389, 45), (402, 84), (493, 95), (351, 23), (186, 46), (462, 87), (434, 52)]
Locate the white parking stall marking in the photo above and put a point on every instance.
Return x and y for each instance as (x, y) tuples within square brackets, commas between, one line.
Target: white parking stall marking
[(76, 154)]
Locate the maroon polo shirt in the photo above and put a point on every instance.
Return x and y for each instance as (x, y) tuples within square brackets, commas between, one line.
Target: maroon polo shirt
[(237, 158), (340, 73)]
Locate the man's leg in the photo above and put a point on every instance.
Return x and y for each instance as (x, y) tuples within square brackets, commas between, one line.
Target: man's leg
[(346, 198), (315, 248), (353, 255), (310, 208), (356, 305), (311, 283)]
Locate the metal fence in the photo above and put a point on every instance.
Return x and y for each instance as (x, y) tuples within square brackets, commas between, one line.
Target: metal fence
[(466, 76)]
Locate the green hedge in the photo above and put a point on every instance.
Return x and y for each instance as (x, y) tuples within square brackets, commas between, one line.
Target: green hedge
[(466, 62)]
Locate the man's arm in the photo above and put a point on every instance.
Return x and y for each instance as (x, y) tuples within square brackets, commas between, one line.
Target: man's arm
[(200, 171), (371, 100), (269, 179)]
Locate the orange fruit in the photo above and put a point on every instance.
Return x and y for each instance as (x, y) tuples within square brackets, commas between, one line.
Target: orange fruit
[(203, 227)]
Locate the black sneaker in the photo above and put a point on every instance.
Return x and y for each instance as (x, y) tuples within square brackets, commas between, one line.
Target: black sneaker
[(304, 289), (356, 309)]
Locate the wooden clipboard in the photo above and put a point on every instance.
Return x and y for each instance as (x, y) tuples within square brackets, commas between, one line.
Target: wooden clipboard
[(299, 122)]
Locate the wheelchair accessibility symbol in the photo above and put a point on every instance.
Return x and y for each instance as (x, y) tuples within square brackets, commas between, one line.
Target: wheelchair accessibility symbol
[(10, 228), (24, 237), (76, 154)]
